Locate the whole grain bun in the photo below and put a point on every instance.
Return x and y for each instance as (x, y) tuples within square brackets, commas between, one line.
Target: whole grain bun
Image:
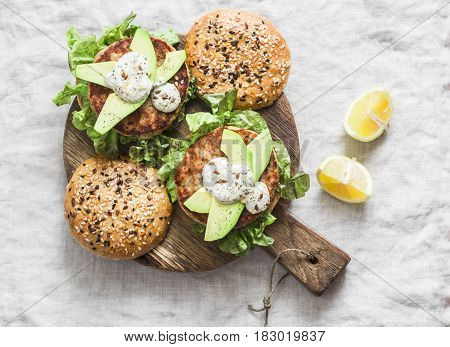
[(237, 49), (117, 209)]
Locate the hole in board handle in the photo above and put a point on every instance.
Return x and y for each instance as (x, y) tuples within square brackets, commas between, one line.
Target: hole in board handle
[(312, 259)]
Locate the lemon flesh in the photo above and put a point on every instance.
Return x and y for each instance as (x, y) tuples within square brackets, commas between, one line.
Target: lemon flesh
[(369, 116), (345, 179)]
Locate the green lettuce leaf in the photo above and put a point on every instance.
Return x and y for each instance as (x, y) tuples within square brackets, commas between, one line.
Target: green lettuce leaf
[(242, 240), (290, 187), (160, 151), (201, 123), (221, 102), (192, 90), (106, 145), (169, 36), (199, 120), (198, 228), (83, 51), (118, 32), (72, 36), (64, 96), (246, 119), (169, 163), (149, 151)]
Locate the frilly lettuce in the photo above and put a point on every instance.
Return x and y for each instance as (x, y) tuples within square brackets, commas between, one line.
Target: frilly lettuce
[(164, 152), (170, 36), (290, 187), (241, 241), (106, 145), (82, 50), (118, 32), (84, 119), (64, 96)]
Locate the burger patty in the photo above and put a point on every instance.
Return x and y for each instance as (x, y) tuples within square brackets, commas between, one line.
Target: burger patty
[(146, 121), (188, 177)]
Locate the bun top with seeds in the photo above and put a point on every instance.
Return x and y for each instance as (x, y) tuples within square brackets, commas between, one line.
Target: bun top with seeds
[(117, 209), (229, 49)]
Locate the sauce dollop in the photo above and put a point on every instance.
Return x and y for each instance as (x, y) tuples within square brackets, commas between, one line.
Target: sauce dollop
[(129, 78), (230, 183), (166, 97)]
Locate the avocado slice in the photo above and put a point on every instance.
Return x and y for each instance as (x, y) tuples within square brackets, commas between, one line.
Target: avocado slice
[(221, 219), (172, 63), (234, 148), (95, 72), (260, 149), (200, 201), (143, 44), (114, 110)]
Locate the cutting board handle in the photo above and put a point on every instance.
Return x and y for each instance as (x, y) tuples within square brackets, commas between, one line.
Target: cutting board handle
[(316, 272)]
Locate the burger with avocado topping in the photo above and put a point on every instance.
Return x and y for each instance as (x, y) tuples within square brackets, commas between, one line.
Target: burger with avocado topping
[(130, 84)]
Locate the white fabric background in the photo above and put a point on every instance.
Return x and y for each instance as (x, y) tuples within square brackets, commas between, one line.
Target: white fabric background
[(402, 234)]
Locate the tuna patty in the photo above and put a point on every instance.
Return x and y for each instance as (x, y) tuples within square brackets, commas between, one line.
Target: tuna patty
[(146, 121), (188, 177)]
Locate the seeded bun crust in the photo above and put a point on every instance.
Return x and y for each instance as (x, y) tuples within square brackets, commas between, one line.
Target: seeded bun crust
[(229, 49), (117, 209), (146, 121), (188, 176)]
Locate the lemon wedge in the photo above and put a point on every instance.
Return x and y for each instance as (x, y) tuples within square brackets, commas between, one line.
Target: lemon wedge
[(345, 179), (369, 115)]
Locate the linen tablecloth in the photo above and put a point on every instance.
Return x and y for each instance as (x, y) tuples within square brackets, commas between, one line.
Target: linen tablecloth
[(399, 240)]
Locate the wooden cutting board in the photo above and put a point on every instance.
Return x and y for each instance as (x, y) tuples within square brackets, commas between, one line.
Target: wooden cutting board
[(183, 250)]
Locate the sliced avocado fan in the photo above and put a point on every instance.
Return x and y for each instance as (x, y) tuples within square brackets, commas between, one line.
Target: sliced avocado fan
[(115, 109), (223, 217), (258, 153)]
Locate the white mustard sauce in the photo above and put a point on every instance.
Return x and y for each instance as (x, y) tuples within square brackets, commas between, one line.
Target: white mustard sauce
[(231, 183), (166, 97), (259, 199), (129, 78)]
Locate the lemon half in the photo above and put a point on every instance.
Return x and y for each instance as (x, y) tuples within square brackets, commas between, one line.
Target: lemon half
[(345, 179), (369, 116)]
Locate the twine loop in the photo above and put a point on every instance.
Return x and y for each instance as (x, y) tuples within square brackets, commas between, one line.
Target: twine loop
[(310, 256)]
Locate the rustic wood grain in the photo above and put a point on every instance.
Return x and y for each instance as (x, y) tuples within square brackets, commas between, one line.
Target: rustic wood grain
[(289, 232), (184, 251)]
